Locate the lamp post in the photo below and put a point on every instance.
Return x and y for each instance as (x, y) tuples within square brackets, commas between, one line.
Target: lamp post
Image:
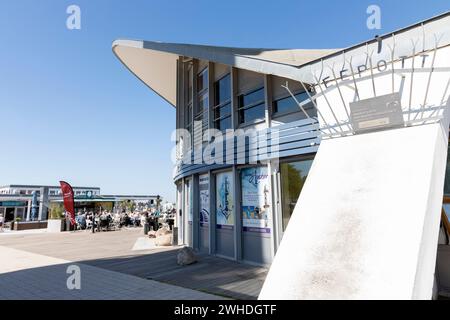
[(158, 202)]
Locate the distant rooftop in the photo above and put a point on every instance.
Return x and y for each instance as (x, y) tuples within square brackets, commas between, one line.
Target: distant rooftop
[(40, 186)]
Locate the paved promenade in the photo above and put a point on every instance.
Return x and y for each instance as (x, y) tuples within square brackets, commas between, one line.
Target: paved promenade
[(128, 253), (25, 275)]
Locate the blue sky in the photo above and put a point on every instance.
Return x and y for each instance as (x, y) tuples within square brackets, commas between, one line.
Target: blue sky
[(69, 110)]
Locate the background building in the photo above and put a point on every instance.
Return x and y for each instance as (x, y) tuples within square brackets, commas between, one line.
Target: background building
[(16, 200)]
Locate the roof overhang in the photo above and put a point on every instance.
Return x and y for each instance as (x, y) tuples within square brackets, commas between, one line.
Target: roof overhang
[(155, 63)]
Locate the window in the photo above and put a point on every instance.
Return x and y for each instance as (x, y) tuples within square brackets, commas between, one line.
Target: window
[(222, 103), (202, 90), (202, 105), (293, 176), (188, 103), (288, 104), (202, 80), (251, 106)]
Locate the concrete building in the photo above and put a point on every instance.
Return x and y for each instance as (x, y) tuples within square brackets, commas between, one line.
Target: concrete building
[(293, 102)]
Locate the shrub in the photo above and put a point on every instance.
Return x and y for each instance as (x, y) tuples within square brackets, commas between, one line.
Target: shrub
[(56, 211)]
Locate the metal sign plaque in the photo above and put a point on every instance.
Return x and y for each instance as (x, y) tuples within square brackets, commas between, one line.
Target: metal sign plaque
[(379, 113)]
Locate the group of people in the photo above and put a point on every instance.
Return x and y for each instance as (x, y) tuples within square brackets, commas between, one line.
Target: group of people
[(106, 220)]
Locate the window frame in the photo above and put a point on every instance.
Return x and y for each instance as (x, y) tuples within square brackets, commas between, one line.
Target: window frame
[(202, 93), (250, 106)]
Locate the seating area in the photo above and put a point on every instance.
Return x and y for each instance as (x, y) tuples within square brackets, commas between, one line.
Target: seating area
[(107, 221)]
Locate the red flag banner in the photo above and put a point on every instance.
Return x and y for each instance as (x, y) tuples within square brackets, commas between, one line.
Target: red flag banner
[(69, 204)]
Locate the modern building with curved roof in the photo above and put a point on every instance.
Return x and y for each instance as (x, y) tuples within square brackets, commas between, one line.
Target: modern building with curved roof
[(250, 122)]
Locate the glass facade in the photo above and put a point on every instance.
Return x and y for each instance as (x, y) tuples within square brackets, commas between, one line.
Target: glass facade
[(447, 175), (293, 176), (252, 106)]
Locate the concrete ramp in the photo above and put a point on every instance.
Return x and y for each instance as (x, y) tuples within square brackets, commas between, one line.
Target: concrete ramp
[(367, 221)]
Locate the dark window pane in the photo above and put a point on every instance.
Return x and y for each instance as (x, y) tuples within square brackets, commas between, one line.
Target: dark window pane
[(223, 111), (203, 103), (189, 76), (288, 104), (223, 90), (188, 115), (251, 98), (202, 80), (447, 175), (253, 113), (224, 124)]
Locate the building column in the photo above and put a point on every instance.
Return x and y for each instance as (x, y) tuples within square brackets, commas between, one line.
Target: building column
[(268, 98), (43, 204), (237, 215), (234, 100), (273, 169), (29, 211), (212, 213), (183, 212), (195, 212)]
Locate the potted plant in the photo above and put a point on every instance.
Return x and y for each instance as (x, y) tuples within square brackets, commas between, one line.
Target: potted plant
[(15, 223), (56, 221)]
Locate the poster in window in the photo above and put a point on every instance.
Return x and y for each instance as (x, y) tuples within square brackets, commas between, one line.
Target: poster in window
[(255, 199), (204, 200), (224, 200)]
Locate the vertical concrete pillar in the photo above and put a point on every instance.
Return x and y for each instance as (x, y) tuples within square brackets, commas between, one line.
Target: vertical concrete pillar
[(196, 212), (238, 215), (29, 210), (43, 204)]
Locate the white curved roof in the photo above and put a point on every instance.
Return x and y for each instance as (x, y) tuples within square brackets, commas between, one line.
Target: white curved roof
[(155, 63)]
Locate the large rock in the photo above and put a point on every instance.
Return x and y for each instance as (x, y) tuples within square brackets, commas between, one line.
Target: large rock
[(186, 256), (164, 240), (163, 231)]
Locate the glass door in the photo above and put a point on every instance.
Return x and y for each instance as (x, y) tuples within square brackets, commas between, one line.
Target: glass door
[(292, 177)]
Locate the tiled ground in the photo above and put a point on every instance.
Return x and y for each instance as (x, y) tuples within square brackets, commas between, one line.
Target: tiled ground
[(25, 275), (113, 251)]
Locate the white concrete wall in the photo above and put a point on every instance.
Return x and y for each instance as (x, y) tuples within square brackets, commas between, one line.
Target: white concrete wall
[(367, 221)]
